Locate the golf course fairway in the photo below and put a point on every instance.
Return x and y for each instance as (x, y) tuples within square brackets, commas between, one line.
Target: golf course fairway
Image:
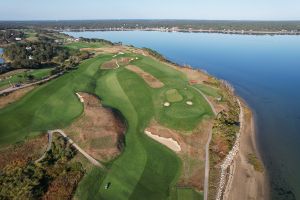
[(145, 169)]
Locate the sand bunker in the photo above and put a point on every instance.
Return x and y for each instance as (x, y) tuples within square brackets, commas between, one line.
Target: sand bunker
[(189, 103), (167, 104), (169, 142), (148, 78), (80, 97)]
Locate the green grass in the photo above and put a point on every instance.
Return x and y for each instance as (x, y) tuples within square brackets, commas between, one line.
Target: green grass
[(80, 45), (188, 194), (173, 95), (53, 105), (31, 35), (146, 169), (90, 183), (209, 90), (179, 115), (22, 77), (255, 162)]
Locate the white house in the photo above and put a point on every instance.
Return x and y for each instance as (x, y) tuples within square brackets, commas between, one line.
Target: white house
[(18, 39)]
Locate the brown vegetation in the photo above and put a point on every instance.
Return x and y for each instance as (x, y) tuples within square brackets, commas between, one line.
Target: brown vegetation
[(98, 131), (14, 96), (148, 78), (192, 151), (63, 186), (114, 63), (24, 152)]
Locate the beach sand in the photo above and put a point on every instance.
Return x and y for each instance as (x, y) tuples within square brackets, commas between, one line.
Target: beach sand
[(245, 182)]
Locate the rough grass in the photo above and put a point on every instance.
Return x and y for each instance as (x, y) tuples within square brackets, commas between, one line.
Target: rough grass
[(255, 162)]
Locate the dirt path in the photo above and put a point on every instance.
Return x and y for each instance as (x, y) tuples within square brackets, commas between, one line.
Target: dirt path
[(50, 137), (206, 176)]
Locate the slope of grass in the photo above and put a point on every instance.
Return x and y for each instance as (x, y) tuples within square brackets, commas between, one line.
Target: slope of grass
[(53, 105), (209, 90)]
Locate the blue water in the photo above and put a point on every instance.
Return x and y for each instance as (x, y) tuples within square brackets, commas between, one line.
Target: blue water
[(265, 70), (1, 52)]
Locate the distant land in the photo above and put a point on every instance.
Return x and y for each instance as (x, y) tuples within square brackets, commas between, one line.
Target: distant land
[(206, 26)]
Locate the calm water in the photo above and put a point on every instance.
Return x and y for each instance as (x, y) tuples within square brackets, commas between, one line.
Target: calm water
[(1, 52), (265, 71)]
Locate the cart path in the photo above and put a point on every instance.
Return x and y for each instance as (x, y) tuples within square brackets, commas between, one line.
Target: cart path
[(206, 175), (62, 133)]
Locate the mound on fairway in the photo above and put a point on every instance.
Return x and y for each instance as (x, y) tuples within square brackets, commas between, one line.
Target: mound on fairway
[(148, 78), (173, 95)]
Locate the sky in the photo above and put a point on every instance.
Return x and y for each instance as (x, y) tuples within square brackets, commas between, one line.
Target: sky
[(150, 9)]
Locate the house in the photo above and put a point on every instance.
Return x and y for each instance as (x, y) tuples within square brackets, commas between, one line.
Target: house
[(30, 58), (18, 39), (28, 48)]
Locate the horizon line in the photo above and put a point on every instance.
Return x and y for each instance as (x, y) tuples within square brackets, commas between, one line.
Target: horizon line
[(148, 19)]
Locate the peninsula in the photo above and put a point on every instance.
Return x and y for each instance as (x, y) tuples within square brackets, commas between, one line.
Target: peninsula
[(112, 121)]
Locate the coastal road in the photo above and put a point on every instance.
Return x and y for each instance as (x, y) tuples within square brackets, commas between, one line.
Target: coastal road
[(206, 176), (61, 132)]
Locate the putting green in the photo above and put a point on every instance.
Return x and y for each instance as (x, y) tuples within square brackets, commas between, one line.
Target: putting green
[(173, 95)]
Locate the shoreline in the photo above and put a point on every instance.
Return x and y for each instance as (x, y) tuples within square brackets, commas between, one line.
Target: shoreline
[(244, 181), (255, 182), (171, 30), (239, 168)]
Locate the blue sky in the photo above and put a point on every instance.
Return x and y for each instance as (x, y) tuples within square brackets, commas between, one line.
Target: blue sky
[(151, 9)]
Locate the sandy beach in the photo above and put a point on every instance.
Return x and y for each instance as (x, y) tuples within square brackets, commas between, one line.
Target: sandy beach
[(244, 181)]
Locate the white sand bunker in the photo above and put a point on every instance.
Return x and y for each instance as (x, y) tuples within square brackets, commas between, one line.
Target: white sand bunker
[(167, 104), (190, 103), (80, 97), (120, 53), (168, 142)]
